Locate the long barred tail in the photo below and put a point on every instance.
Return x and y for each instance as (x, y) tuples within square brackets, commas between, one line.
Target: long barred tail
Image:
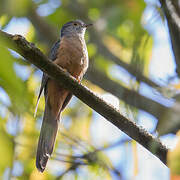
[(56, 100), (47, 138)]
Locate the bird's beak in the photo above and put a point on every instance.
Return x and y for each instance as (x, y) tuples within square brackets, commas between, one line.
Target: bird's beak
[(87, 25)]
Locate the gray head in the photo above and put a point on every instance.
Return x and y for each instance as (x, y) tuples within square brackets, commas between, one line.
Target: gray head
[(76, 27)]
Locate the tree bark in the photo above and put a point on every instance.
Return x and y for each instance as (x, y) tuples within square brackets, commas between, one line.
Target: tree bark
[(172, 13)]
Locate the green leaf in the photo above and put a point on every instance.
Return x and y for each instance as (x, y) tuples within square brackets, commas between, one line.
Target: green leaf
[(11, 83), (4, 20), (6, 150)]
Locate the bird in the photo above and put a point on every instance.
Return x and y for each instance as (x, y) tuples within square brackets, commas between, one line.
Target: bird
[(70, 53)]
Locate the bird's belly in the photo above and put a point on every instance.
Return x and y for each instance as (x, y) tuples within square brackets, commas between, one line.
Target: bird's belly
[(73, 58)]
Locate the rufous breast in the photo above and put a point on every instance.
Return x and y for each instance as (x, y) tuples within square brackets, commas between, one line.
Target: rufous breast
[(73, 55)]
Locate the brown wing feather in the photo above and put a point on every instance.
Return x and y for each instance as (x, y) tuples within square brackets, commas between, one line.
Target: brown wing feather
[(52, 56)]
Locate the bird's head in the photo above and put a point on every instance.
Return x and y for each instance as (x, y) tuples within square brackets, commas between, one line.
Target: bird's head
[(76, 27)]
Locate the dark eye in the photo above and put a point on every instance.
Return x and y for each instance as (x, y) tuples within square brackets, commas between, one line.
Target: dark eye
[(75, 24)]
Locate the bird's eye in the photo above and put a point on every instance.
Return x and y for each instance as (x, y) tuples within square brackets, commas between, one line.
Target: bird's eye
[(75, 24)]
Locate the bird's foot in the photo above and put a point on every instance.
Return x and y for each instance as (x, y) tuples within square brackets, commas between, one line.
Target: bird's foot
[(78, 79), (66, 71)]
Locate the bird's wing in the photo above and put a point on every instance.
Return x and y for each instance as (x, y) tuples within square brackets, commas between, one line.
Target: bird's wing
[(52, 56)]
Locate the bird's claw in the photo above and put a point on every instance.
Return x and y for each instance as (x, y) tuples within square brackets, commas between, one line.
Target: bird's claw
[(78, 79)]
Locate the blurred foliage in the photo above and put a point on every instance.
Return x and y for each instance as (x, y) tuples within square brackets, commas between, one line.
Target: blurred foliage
[(77, 154), (7, 148), (174, 160)]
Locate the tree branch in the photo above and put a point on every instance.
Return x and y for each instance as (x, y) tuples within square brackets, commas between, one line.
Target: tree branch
[(36, 57), (131, 97), (173, 20)]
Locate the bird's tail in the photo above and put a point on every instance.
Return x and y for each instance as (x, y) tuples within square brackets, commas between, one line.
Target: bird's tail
[(47, 137)]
